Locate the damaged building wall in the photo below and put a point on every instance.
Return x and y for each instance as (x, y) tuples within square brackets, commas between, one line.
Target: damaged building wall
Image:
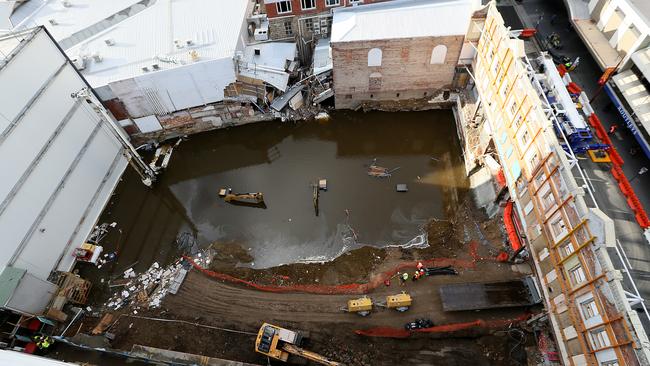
[(184, 87), (393, 69)]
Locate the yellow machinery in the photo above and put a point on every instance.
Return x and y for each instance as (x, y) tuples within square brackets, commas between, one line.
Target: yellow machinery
[(599, 156), (277, 343), (361, 306), (399, 302)]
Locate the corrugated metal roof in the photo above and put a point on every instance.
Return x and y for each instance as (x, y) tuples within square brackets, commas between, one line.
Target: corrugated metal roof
[(142, 32), (270, 64), (402, 19)]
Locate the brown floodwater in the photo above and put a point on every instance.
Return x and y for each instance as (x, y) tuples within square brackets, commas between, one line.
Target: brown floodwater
[(283, 161)]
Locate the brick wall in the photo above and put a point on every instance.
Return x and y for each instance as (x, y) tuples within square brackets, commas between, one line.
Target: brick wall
[(406, 71), (296, 9)]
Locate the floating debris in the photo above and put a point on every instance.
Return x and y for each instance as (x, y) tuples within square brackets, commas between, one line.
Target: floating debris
[(375, 170)]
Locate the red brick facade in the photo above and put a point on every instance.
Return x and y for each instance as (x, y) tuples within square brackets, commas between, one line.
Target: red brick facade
[(296, 8)]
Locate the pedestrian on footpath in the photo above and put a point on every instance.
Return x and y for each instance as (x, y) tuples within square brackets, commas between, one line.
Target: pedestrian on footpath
[(613, 128)]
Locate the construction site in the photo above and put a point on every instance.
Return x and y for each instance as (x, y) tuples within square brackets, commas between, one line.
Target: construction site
[(384, 191)]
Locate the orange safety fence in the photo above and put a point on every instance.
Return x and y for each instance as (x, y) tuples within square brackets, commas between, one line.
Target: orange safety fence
[(594, 121), (632, 200), (352, 288), (624, 185), (390, 332), (510, 227)]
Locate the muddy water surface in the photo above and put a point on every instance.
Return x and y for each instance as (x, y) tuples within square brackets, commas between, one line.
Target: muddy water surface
[(283, 161)]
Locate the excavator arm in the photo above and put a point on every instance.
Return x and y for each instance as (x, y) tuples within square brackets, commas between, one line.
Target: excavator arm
[(312, 356)]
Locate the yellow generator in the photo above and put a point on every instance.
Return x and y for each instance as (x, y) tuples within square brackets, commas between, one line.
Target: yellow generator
[(361, 306), (399, 302)]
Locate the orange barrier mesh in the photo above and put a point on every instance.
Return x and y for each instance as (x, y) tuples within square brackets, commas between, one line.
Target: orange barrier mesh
[(352, 288), (389, 332), (510, 227)]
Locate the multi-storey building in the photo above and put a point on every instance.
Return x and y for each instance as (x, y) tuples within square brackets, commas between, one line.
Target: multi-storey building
[(61, 163), (304, 18), (567, 239), (617, 34), (393, 51)]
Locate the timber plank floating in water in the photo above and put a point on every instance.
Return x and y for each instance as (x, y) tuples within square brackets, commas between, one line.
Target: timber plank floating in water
[(489, 295)]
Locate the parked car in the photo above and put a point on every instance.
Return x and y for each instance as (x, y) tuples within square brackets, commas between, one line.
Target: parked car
[(418, 324)]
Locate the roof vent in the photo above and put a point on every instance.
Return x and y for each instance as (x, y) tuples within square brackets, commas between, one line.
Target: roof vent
[(194, 55), (53, 21), (97, 57), (109, 42), (189, 42), (66, 3), (257, 52), (155, 67), (178, 43), (145, 69)]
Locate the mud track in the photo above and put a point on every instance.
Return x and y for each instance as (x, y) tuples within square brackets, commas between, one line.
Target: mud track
[(212, 302)]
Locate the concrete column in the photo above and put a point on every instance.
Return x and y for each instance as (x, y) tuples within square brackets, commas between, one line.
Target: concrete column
[(637, 44), (620, 31), (607, 14)]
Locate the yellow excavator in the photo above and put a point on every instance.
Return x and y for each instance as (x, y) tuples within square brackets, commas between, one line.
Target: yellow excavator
[(278, 343)]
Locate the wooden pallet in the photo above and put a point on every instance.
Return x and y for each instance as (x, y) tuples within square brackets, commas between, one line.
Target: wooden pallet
[(74, 288)]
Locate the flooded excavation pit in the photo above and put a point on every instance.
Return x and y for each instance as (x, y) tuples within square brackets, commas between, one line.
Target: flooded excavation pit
[(252, 192)]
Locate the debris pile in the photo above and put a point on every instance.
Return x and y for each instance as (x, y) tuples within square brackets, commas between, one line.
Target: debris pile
[(148, 289)]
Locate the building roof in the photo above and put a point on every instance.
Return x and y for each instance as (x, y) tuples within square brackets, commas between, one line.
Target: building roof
[(322, 56), (270, 64), (11, 43), (403, 19), (127, 35)]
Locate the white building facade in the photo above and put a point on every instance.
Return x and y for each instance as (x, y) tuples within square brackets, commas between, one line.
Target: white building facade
[(61, 163), (145, 58)]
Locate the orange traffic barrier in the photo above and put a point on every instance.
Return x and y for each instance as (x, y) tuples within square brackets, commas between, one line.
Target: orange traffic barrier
[(515, 242)]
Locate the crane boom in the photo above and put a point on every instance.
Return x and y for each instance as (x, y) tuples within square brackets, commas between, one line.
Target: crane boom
[(312, 356)]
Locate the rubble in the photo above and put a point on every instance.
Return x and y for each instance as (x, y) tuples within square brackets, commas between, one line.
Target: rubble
[(149, 288)]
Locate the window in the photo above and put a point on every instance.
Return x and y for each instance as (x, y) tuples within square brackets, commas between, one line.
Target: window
[(558, 227), (548, 200), (524, 139), (609, 363), (599, 338), (352, 2), (288, 29), (374, 57), (283, 6), (589, 309), (308, 4), (332, 2), (533, 161), (567, 249), (577, 275), (438, 54), (309, 24), (374, 81)]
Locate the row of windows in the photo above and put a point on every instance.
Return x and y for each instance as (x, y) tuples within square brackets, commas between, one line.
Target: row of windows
[(284, 7), (438, 55)]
